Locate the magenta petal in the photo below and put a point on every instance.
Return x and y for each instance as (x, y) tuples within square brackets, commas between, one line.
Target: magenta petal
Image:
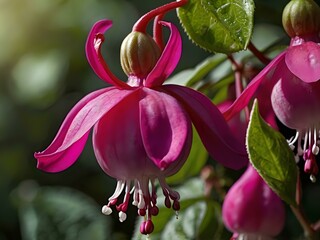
[(212, 127), (304, 61), (95, 59), (60, 161), (70, 140), (165, 128), (117, 141), (168, 60), (245, 97)]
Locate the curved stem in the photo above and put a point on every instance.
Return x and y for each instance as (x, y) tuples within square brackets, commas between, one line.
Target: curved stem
[(238, 82), (141, 24), (258, 53), (308, 231)]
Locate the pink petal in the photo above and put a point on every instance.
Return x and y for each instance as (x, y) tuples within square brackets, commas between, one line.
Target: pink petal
[(211, 126), (168, 60), (243, 100), (72, 135), (165, 128), (93, 52), (61, 160), (117, 141), (304, 61), (252, 207)]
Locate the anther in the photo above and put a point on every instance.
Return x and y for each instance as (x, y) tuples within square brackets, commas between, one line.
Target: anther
[(176, 205), (141, 212), (154, 211), (167, 202), (122, 216), (315, 149), (106, 210), (313, 178)]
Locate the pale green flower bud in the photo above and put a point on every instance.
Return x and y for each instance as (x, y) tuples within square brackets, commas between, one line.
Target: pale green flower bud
[(301, 18), (139, 54)]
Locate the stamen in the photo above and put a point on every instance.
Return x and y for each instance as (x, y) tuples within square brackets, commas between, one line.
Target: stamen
[(310, 136), (136, 194), (305, 141), (299, 150), (315, 149), (119, 189), (293, 140), (141, 203)]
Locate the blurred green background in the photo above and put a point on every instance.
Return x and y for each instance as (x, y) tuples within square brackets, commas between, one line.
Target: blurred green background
[(43, 73)]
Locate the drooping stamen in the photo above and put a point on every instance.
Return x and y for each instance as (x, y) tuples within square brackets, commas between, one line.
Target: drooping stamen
[(315, 148), (124, 206), (135, 194), (293, 140), (141, 24)]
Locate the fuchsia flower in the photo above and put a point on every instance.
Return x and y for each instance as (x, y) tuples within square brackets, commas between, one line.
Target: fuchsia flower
[(251, 209), (142, 130), (294, 85)]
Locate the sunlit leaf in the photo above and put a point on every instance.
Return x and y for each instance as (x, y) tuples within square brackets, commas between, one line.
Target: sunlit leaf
[(270, 154), (223, 26)]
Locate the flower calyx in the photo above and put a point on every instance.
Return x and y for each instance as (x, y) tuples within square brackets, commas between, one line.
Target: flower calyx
[(139, 51), (301, 18)]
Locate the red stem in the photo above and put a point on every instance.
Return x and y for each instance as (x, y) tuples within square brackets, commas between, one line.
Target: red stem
[(141, 24), (238, 82), (258, 54)]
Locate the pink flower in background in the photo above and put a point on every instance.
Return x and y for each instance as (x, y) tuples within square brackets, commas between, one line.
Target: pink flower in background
[(251, 209), (142, 130), (292, 80)]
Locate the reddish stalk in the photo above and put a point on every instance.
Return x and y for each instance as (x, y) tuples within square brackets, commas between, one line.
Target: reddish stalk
[(258, 53), (238, 82), (141, 24)]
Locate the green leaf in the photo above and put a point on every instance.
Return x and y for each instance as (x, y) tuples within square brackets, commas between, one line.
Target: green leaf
[(270, 154), (59, 213), (192, 76), (223, 26), (197, 158)]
